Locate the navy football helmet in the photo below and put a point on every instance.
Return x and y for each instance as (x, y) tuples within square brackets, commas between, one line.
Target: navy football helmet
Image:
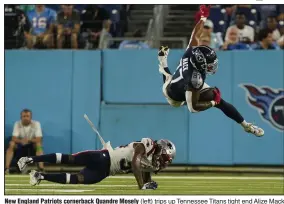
[(204, 59)]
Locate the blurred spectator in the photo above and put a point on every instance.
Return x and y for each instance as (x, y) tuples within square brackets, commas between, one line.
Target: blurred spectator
[(27, 132), (246, 33), (281, 42), (272, 25), (93, 20), (266, 11), (281, 39), (42, 22), (215, 38), (233, 41), (16, 27), (68, 27), (265, 41), (134, 44)]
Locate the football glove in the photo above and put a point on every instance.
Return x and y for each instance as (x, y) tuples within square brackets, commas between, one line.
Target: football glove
[(204, 10), (150, 185)]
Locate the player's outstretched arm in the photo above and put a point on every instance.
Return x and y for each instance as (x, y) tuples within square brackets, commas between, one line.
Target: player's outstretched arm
[(197, 31), (141, 165), (195, 36), (146, 177)]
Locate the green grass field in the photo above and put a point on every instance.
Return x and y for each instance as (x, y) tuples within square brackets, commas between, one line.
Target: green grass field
[(173, 184)]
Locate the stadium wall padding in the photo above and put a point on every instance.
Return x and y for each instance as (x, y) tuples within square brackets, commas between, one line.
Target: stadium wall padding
[(121, 93)]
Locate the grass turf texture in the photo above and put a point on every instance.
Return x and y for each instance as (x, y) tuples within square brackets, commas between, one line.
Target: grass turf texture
[(173, 184)]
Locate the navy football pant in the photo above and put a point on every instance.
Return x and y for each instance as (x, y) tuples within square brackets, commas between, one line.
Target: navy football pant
[(97, 166)]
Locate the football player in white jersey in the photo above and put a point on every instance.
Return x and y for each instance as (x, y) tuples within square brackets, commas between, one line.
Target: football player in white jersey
[(142, 158)]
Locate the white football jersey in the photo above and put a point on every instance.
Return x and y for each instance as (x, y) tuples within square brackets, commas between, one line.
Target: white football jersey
[(121, 157)]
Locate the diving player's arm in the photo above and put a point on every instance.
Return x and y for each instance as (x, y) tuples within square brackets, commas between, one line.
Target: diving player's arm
[(197, 31), (195, 36), (140, 162)]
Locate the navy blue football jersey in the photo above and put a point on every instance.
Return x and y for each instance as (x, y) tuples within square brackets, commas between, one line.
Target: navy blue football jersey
[(185, 78)]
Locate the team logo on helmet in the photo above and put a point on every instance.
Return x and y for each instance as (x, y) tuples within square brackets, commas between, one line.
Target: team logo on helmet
[(269, 103)]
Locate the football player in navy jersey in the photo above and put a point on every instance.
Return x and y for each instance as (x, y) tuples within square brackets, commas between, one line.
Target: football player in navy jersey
[(188, 81)]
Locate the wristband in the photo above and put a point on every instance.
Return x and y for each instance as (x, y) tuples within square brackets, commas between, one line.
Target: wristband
[(203, 18)]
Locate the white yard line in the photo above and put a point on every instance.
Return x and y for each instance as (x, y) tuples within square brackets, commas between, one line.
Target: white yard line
[(182, 177)]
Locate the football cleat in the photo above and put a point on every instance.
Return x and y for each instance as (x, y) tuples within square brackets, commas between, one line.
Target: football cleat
[(23, 162), (163, 55), (257, 131), (164, 51), (35, 178)]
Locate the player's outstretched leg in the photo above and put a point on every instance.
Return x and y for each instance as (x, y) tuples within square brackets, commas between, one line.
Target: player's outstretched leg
[(230, 111), (97, 169), (81, 158), (63, 178), (163, 66)]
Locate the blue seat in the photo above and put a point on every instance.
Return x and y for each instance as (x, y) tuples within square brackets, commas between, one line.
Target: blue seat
[(219, 18), (251, 16)]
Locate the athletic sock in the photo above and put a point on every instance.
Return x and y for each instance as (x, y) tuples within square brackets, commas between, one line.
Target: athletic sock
[(64, 178), (168, 71), (230, 111), (57, 158)]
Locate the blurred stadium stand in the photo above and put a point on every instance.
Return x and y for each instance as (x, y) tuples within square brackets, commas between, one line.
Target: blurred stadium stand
[(171, 24)]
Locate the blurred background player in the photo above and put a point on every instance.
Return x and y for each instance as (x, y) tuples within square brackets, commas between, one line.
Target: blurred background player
[(189, 79), (142, 158), (42, 21), (26, 133)]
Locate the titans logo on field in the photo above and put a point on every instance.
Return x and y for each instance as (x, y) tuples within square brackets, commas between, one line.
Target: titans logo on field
[(269, 103)]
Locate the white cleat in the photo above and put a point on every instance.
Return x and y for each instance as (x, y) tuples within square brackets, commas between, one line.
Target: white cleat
[(257, 131), (23, 162), (163, 57), (35, 178)]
